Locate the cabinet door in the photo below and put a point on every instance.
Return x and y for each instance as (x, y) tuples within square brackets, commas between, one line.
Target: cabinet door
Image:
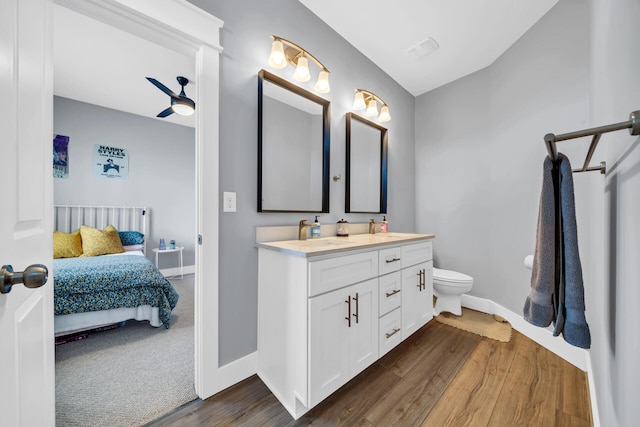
[(329, 335), (364, 328), (417, 297)]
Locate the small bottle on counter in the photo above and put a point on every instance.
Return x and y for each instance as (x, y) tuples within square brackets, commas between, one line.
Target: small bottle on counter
[(384, 226), (315, 229)]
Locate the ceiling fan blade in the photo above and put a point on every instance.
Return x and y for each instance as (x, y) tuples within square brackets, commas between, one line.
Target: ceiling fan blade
[(166, 112), (162, 87)]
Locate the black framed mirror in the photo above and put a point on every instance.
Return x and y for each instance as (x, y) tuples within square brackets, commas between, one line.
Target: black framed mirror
[(293, 147), (366, 166)]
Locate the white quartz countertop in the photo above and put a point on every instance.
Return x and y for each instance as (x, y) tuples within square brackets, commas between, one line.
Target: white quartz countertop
[(334, 244)]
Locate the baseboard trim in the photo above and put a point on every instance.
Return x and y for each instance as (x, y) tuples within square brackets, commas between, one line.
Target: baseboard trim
[(175, 272), (238, 370)]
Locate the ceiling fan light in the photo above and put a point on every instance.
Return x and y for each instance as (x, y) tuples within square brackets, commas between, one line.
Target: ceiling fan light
[(277, 58), (358, 102), (384, 114), (322, 84), (183, 107), (302, 70), (372, 108)]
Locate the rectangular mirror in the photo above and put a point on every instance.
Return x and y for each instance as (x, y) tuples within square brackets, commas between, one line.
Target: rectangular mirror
[(366, 166), (293, 147)]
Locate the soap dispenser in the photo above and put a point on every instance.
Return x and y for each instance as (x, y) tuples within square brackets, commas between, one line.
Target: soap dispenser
[(384, 226), (315, 229)]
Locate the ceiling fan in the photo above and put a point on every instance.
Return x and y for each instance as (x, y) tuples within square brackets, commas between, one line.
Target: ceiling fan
[(180, 104)]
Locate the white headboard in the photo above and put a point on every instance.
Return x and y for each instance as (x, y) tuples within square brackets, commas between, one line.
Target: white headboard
[(124, 218)]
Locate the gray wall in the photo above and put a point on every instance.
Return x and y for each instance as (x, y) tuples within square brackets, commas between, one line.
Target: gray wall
[(247, 43), (615, 92), (161, 170), (482, 135)]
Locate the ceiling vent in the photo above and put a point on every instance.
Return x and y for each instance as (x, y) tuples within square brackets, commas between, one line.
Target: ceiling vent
[(423, 48)]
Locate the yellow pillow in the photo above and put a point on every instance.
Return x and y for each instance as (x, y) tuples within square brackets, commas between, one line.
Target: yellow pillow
[(100, 242), (67, 245)]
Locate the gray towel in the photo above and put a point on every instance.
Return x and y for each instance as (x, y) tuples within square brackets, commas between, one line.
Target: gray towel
[(539, 307), (557, 292), (571, 320)]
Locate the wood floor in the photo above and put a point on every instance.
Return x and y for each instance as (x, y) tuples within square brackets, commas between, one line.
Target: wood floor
[(440, 376)]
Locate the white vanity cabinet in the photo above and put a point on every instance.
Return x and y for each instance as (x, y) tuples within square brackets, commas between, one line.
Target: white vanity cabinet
[(324, 316)]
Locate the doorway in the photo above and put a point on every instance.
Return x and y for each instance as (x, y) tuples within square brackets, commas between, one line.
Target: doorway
[(183, 28)]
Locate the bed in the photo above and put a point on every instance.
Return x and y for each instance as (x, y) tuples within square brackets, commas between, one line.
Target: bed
[(93, 290)]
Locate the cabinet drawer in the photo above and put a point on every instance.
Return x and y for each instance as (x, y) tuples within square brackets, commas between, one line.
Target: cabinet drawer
[(390, 260), (389, 295), (334, 273), (415, 254), (390, 330)]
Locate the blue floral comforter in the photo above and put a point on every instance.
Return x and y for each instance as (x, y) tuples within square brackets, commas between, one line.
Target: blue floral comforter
[(107, 282)]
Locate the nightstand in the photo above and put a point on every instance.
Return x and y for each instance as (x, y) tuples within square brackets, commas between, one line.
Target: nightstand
[(178, 249)]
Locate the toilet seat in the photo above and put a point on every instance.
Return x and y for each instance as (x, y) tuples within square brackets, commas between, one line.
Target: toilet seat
[(451, 277)]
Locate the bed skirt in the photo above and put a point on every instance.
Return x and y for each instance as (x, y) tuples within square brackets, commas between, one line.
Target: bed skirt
[(70, 323)]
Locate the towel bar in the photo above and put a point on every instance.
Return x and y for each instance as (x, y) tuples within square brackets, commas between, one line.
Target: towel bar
[(633, 124)]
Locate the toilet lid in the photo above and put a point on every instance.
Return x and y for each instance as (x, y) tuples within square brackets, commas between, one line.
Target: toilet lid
[(451, 276)]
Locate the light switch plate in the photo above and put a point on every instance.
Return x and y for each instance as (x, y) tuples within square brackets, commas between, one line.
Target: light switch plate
[(229, 201)]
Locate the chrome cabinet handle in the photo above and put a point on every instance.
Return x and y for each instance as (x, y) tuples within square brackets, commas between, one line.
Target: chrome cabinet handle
[(357, 306), (422, 283), (348, 301), (390, 294), (388, 261), (390, 334), (32, 277)]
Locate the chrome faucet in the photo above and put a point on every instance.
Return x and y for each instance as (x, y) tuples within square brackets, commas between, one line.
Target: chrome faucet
[(372, 226), (302, 229)]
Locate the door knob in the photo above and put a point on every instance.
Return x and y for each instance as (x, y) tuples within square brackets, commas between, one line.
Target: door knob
[(32, 277)]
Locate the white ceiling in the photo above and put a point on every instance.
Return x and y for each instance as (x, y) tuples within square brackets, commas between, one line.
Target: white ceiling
[(471, 33), (101, 65)]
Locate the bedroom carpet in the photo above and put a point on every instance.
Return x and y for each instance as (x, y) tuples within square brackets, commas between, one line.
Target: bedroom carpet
[(128, 376)]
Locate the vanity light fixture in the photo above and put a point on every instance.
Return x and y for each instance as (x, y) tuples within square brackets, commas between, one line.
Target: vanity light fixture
[(369, 100), (299, 58)]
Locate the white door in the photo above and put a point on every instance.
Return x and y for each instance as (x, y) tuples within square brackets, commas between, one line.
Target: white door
[(27, 380)]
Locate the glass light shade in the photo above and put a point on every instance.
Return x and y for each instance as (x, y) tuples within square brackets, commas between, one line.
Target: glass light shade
[(372, 108), (322, 85), (384, 114), (277, 58), (358, 102), (182, 109), (302, 70)]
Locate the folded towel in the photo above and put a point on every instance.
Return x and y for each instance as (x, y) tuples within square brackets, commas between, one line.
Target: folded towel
[(539, 307), (574, 328)]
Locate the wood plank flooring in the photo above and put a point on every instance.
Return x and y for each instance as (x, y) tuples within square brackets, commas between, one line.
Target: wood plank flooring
[(440, 376)]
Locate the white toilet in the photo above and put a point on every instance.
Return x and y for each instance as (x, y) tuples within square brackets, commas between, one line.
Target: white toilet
[(449, 286)]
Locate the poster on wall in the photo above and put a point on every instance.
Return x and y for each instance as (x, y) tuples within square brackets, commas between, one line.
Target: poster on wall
[(60, 156), (110, 162)]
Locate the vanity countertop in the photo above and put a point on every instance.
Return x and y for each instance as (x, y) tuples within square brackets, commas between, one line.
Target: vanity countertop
[(334, 244)]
